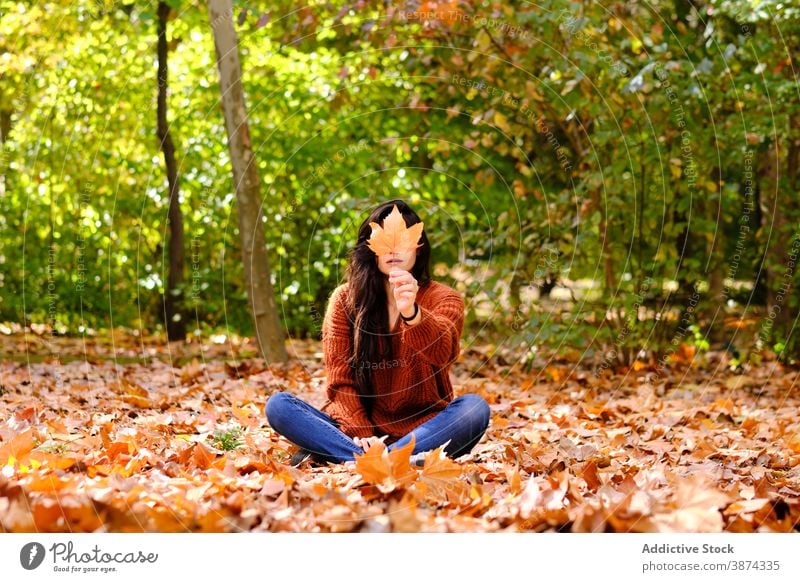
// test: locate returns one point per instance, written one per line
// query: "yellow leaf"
(501, 121)
(19, 446)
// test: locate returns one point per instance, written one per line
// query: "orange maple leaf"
(394, 236)
(387, 470)
(440, 478)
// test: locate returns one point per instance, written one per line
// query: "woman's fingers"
(367, 442)
(402, 279)
(400, 275)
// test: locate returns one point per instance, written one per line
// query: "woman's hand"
(367, 442)
(404, 290)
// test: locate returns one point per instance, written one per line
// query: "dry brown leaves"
(104, 447)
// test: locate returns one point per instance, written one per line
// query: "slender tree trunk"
(686, 244)
(245, 177)
(640, 218)
(683, 242)
(774, 222)
(789, 203)
(173, 312)
(717, 308)
(608, 263)
(5, 129)
(758, 274)
(514, 299)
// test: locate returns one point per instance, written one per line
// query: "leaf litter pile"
(97, 446)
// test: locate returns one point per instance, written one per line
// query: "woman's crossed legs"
(463, 422)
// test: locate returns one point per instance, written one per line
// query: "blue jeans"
(462, 422)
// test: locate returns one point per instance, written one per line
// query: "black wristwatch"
(416, 310)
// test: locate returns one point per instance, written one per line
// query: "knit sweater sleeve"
(437, 336)
(336, 346)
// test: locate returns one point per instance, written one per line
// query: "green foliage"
(575, 146)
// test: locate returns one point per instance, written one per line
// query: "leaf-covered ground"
(93, 445)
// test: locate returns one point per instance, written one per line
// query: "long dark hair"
(367, 307)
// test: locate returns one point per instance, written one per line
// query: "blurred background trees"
(615, 180)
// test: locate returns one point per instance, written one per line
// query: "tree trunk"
(774, 223)
(777, 210)
(5, 129)
(609, 279)
(716, 308)
(245, 178)
(173, 303)
(789, 315)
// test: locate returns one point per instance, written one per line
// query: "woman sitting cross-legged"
(389, 336)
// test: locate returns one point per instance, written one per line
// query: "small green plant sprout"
(229, 439)
(53, 448)
(699, 339)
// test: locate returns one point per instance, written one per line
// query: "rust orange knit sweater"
(410, 388)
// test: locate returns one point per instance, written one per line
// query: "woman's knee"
(277, 409)
(476, 408)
